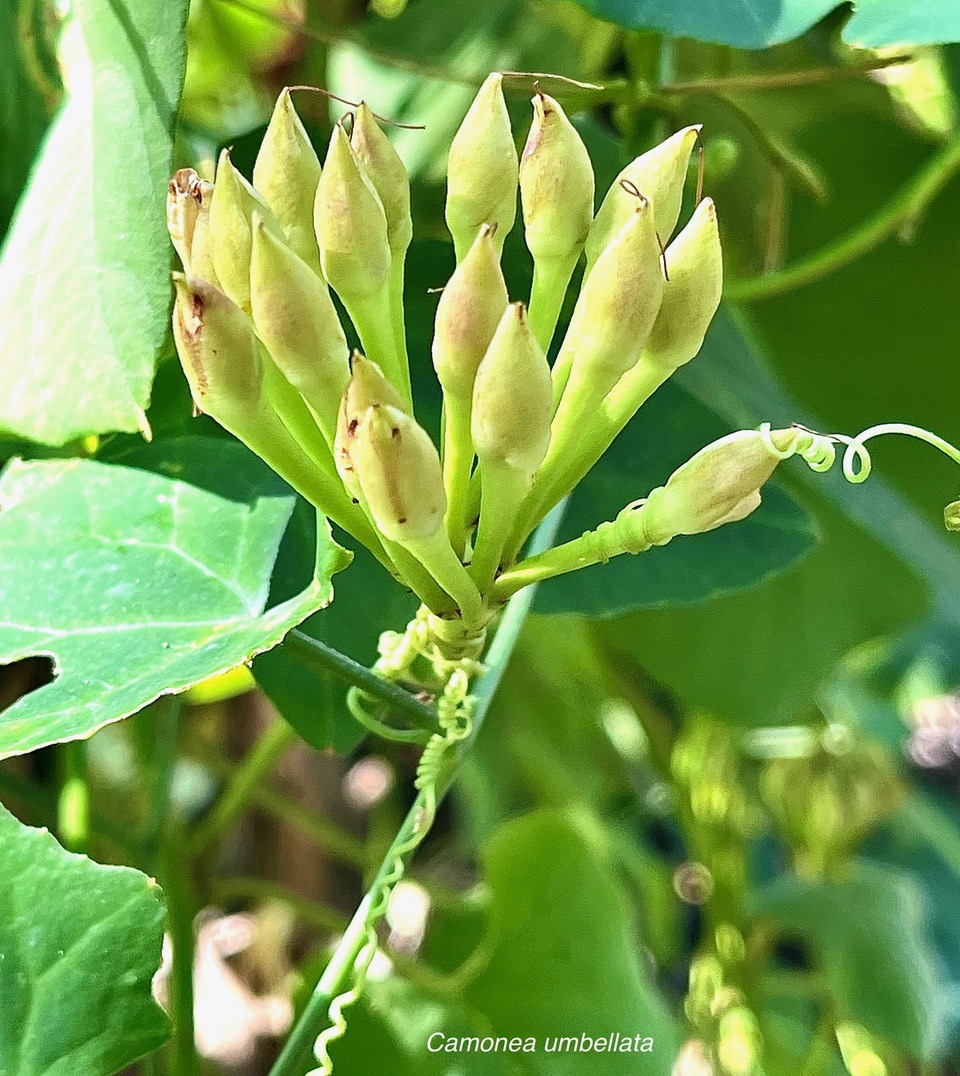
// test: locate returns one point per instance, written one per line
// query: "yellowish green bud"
(232, 207)
(295, 318)
(482, 170)
(388, 175)
(399, 472)
(286, 174)
(512, 398)
(617, 308)
(692, 294)
(468, 314)
(366, 388)
(556, 184)
(350, 224)
(218, 350)
(188, 222)
(720, 484)
(951, 516)
(658, 175)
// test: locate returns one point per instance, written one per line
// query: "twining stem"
(324, 659)
(176, 879)
(73, 803)
(340, 968)
(159, 764)
(255, 767)
(902, 209)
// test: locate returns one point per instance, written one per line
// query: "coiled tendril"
(820, 450)
(455, 724)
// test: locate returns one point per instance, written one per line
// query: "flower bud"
(387, 173)
(188, 222)
(295, 318)
(512, 398)
(720, 484)
(692, 292)
(232, 206)
(617, 307)
(366, 388)
(399, 472)
(556, 184)
(951, 516)
(468, 314)
(350, 224)
(218, 350)
(286, 174)
(482, 170)
(658, 175)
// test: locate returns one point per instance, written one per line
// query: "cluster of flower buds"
(266, 356)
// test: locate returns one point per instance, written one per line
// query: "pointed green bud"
(468, 314)
(658, 175)
(188, 222)
(720, 484)
(286, 174)
(295, 318)
(482, 170)
(617, 307)
(556, 184)
(232, 207)
(399, 472)
(218, 351)
(951, 516)
(350, 224)
(388, 175)
(512, 398)
(366, 388)
(691, 296)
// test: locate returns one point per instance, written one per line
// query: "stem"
(903, 208)
(550, 281)
(373, 317)
(324, 659)
(457, 464)
(397, 321)
(437, 556)
(73, 803)
(340, 967)
(857, 454)
(254, 768)
(227, 890)
(181, 909)
(502, 493)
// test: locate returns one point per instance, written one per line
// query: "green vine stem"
(319, 657)
(354, 951)
(176, 879)
(904, 208)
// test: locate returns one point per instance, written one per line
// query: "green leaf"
(563, 959)
(746, 24)
(84, 293)
(140, 584)
(879, 23)
(23, 116)
(79, 945)
(666, 432)
(874, 920)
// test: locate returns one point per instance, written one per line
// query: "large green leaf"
(870, 934)
(139, 584)
(747, 24)
(563, 960)
(666, 432)
(84, 293)
(79, 945)
(878, 23)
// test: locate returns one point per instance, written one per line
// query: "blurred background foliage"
(717, 798)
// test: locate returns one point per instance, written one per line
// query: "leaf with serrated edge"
(79, 946)
(138, 584)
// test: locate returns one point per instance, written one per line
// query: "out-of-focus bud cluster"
(261, 341)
